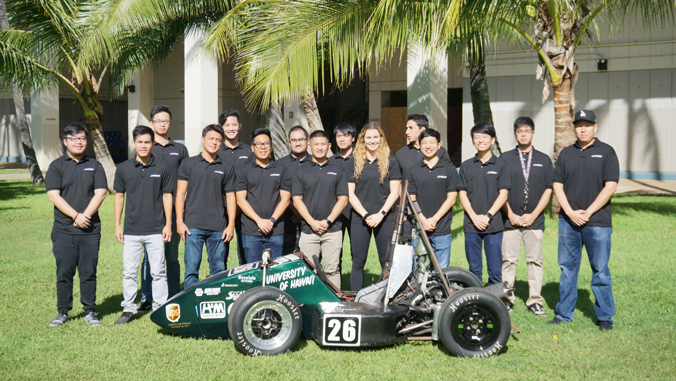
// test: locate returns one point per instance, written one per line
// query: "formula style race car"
(265, 306)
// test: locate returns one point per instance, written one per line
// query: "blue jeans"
(173, 267)
(596, 240)
(441, 244)
(217, 254)
(255, 245)
(492, 243)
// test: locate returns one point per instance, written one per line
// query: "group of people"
(309, 201)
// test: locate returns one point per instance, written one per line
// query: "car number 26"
(342, 330)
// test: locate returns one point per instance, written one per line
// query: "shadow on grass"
(550, 292)
(13, 189)
(110, 306)
(629, 208)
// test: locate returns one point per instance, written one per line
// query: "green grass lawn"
(641, 346)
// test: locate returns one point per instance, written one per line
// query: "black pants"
(240, 241)
(291, 237)
(346, 228)
(75, 252)
(360, 240)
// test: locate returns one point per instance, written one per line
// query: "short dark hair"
(419, 119)
(345, 129)
(524, 121)
(260, 131)
(296, 128)
(143, 130)
(225, 114)
(213, 127)
(74, 129)
(158, 109)
(319, 134)
(426, 133)
(482, 128)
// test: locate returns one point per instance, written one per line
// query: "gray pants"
(132, 253)
(511, 247)
(327, 246)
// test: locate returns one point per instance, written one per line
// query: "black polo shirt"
(144, 186)
(539, 180)
(431, 186)
(320, 186)
(368, 189)
(344, 162)
(584, 173)
(76, 180)
(482, 182)
(172, 154)
(207, 184)
(262, 186)
(236, 157)
(291, 164)
(408, 156)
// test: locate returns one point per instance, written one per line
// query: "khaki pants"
(511, 247)
(327, 246)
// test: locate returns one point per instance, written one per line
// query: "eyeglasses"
(294, 141)
(524, 131)
(76, 140)
(261, 144)
(164, 121)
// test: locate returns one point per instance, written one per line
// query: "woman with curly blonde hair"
(373, 186)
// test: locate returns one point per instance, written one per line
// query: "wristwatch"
(384, 213)
(329, 222)
(273, 219)
(490, 216)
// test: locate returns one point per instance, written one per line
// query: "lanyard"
(525, 168)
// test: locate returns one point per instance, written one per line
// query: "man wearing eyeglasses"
(298, 142)
(172, 154)
(201, 216)
(263, 194)
(531, 174)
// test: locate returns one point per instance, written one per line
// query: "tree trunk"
(26, 140)
(312, 112)
(481, 103)
(101, 148)
(275, 123)
(563, 122)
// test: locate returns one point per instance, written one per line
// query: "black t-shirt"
(207, 185)
(483, 182)
(539, 180)
(76, 181)
(368, 189)
(408, 156)
(584, 173)
(320, 186)
(431, 186)
(172, 154)
(236, 157)
(262, 186)
(344, 162)
(291, 164)
(144, 186)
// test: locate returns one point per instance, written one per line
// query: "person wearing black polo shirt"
(147, 184)
(345, 134)
(237, 154)
(484, 184)
(172, 154)
(433, 183)
(201, 216)
(530, 174)
(76, 185)
(320, 194)
(410, 154)
(373, 183)
(585, 178)
(263, 194)
(298, 141)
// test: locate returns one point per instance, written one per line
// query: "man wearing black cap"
(530, 173)
(585, 178)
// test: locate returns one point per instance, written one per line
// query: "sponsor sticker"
(233, 295)
(212, 310)
(212, 291)
(199, 292)
(247, 278)
(173, 311)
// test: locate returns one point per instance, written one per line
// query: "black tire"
(474, 323)
(265, 321)
(460, 278)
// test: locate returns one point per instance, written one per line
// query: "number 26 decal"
(342, 330)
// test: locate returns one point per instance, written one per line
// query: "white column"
(45, 128)
(427, 80)
(294, 115)
(140, 102)
(201, 91)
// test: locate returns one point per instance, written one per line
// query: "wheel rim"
(475, 327)
(267, 325)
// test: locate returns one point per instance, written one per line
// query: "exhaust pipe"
(499, 290)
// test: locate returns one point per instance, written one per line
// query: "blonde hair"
(382, 154)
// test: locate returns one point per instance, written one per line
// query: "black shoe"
(125, 318)
(537, 310)
(555, 321)
(605, 326)
(59, 320)
(145, 306)
(92, 319)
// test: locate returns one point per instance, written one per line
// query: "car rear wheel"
(474, 323)
(460, 278)
(265, 321)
